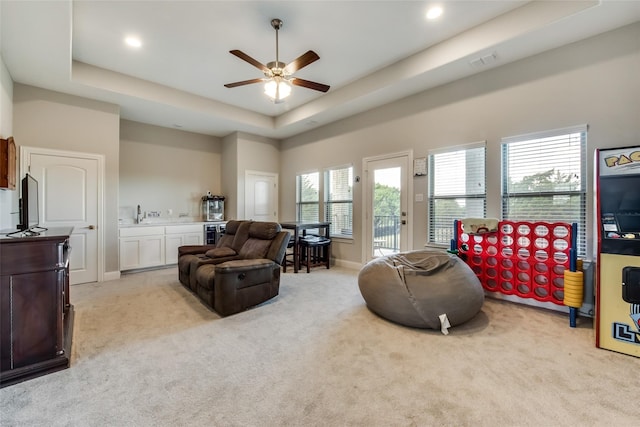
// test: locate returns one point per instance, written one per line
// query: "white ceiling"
(371, 52)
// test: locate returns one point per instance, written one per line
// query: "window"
(338, 189)
(308, 197)
(544, 178)
(456, 189)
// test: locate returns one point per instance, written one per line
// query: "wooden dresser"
(36, 318)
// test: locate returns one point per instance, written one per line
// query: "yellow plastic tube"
(573, 288)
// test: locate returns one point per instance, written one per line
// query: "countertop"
(166, 222)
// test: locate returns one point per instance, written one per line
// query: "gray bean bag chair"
(416, 288)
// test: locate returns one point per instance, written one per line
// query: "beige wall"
(8, 198)
(245, 152)
(165, 169)
(46, 119)
(230, 174)
(255, 153)
(593, 81)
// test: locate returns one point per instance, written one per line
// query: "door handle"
(91, 227)
(403, 222)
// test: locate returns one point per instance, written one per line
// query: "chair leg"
(328, 256)
(315, 256)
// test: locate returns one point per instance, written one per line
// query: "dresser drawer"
(36, 256)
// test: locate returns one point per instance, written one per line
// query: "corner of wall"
(8, 198)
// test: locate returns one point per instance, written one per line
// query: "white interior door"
(387, 211)
(261, 196)
(68, 187)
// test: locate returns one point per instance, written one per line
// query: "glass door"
(387, 214)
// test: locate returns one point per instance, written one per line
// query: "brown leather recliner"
(248, 278)
(226, 249)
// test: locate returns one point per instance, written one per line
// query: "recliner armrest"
(243, 265)
(194, 249)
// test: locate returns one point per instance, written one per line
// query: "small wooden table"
(302, 226)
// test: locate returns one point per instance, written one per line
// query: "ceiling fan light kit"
(278, 75)
(277, 89)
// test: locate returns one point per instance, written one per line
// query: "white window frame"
(337, 228)
(299, 203)
(544, 142)
(446, 232)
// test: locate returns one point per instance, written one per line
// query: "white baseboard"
(586, 309)
(347, 264)
(110, 275)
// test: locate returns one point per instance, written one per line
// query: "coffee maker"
(212, 208)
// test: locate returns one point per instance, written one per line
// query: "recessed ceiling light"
(133, 41)
(434, 12)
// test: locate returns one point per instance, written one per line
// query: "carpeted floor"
(146, 352)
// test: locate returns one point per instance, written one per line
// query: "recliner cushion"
(205, 276)
(184, 262)
(220, 252)
(226, 240)
(255, 248)
(232, 226)
(264, 230)
(241, 235)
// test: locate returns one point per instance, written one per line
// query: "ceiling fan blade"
(301, 61)
(309, 85)
(244, 82)
(249, 59)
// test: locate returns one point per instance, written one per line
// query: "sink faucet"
(139, 216)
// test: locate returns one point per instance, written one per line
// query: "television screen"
(628, 223)
(29, 210)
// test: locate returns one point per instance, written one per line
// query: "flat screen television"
(29, 209)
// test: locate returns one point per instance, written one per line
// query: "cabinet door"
(151, 251)
(140, 252)
(35, 318)
(172, 242)
(5, 323)
(192, 239)
(129, 253)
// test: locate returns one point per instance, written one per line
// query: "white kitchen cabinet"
(179, 235)
(153, 246)
(141, 247)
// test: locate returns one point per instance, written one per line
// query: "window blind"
(339, 200)
(308, 197)
(457, 189)
(544, 178)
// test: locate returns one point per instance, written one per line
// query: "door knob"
(91, 227)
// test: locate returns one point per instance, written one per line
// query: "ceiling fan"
(278, 76)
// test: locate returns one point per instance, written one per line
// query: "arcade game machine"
(617, 205)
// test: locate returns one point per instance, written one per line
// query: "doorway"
(386, 205)
(70, 195)
(261, 196)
